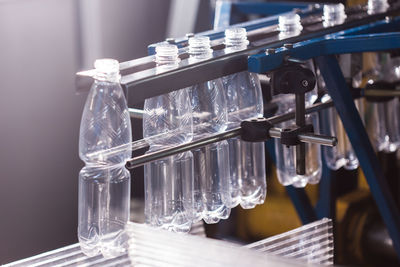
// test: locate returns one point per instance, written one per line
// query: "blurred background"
(43, 44)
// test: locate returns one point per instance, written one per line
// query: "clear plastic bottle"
(244, 100)
(382, 117)
(211, 163)
(343, 154)
(290, 25)
(169, 181)
(286, 156)
(104, 182)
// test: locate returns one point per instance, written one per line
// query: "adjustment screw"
(304, 83)
(388, 18)
(296, 10)
(170, 40)
(270, 51)
(288, 46)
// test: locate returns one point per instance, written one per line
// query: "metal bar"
(382, 93)
(269, 8)
(136, 113)
(262, 63)
(274, 132)
(308, 138)
(341, 96)
(300, 149)
(149, 83)
(326, 204)
(143, 159)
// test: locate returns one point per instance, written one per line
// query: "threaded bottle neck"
(167, 55)
(200, 47)
(377, 6)
(107, 69)
(236, 38)
(334, 14)
(290, 24)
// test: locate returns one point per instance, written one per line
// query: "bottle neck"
(167, 56)
(377, 6)
(334, 14)
(107, 77)
(200, 47)
(107, 70)
(290, 25)
(236, 39)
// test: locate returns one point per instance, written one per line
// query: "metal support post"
(348, 113)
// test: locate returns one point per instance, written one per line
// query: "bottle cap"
(107, 65)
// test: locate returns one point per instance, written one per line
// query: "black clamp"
(379, 85)
(290, 136)
(292, 79)
(255, 130)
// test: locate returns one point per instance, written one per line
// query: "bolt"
(170, 40)
(388, 18)
(304, 83)
(296, 10)
(270, 51)
(288, 46)
(189, 35)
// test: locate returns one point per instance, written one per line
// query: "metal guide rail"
(142, 80)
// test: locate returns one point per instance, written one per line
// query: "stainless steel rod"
(143, 159)
(382, 93)
(308, 138)
(274, 132)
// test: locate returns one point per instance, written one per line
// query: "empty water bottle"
(286, 156)
(169, 181)
(244, 100)
(341, 155)
(211, 163)
(104, 182)
(384, 119)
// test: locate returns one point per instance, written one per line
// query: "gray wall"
(40, 112)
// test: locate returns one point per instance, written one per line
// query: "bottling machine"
(325, 33)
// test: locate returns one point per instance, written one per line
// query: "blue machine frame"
(379, 36)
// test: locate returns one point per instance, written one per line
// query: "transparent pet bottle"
(244, 101)
(211, 163)
(286, 156)
(385, 119)
(104, 182)
(342, 155)
(169, 181)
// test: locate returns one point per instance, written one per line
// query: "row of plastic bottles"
(206, 182)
